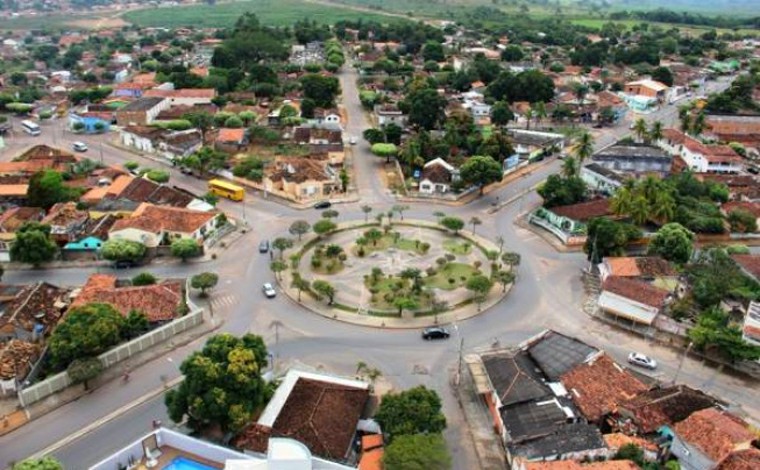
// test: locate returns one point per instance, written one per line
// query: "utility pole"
(101, 153)
(680, 363)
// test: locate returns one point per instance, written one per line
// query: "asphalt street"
(548, 294)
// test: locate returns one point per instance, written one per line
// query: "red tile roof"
(750, 263)
(584, 210)
(231, 135)
(617, 440)
(181, 93)
(664, 406)
(751, 207)
(159, 302)
(748, 459)
(17, 357)
(156, 219)
(716, 433)
(636, 290)
(599, 385)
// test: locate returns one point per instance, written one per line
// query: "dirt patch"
(99, 23)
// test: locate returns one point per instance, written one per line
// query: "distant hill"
(711, 7)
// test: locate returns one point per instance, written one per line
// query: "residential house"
(141, 112)
(748, 459)
(573, 465)
(752, 208)
(318, 410)
(607, 99)
(649, 268)
(232, 140)
(617, 440)
(568, 223)
(93, 122)
(330, 117)
(129, 90)
(601, 179)
(751, 326)
(372, 452)
(634, 159)
(91, 239)
(632, 299)
(735, 128)
(708, 436)
(10, 221)
(156, 225)
(159, 302)
(649, 411)
(647, 88)
(13, 194)
(322, 141)
(66, 222)
(534, 145)
(33, 312)
(302, 178)
(599, 385)
(184, 96)
(740, 187)
(437, 177)
(699, 157)
(387, 114)
(16, 360)
(180, 144)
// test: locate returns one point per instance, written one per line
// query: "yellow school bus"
(225, 189)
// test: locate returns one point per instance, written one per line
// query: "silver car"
(269, 291)
(638, 359)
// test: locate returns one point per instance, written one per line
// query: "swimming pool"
(182, 463)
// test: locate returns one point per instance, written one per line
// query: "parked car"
(352, 140)
(641, 360)
(435, 333)
(323, 205)
(264, 246)
(269, 291)
(79, 146)
(124, 264)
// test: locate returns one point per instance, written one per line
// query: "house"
(748, 459)
(387, 114)
(740, 187)
(599, 385)
(93, 122)
(329, 117)
(634, 159)
(302, 178)
(647, 88)
(232, 140)
(318, 410)
(437, 176)
(93, 235)
(649, 411)
(607, 99)
(180, 144)
(735, 128)
(184, 96)
(708, 436)
(532, 145)
(10, 221)
(746, 206)
(751, 326)
(568, 223)
(129, 90)
(159, 302)
(573, 465)
(141, 112)
(66, 222)
(601, 179)
(16, 360)
(33, 312)
(156, 225)
(617, 440)
(648, 268)
(372, 452)
(632, 299)
(699, 157)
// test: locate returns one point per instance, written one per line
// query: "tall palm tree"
(528, 117)
(569, 167)
(685, 117)
(540, 111)
(649, 187)
(655, 133)
(664, 207)
(640, 129)
(584, 148)
(621, 201)
(639, 209)
(699, 124)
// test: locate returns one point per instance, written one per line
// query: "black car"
(323, 205)
(435, 333)
(124, 264)
(264, 246)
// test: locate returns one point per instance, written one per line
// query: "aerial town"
(379, 235)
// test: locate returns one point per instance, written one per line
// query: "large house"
(699, 157)
(708, 436)
(632, 299)
(141, 112)
(156, 225)
(634, 159)
(302, 178)
(32, 312)
(184, 96)
(437, 176)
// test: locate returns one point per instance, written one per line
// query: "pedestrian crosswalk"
(223, 302)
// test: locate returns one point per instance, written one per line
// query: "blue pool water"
(181, 463)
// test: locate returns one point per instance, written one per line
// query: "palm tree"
(569, 167)
(585, 147)
(655, 133)
(699, 124)
(580, 91)
(664, 207)
(528, 117)
(540, 112)
(621, 201)
(639, 209)
(685, 118)
(640, 129)
(649, 187)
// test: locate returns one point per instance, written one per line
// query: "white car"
(79, 146)
(352, 140)
(269, 291)
(641, 360)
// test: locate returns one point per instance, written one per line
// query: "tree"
(281, 244)
(344, 179)
(83, 370)
(454, 224)
(663, 75)
(223, 384)
(300, 284)
(33, 244)
(501, 114)
(202, 121)
(640, 129)
(504, 278)
(405, 303)
(511, 259)
(299, 228)
(384, 150)
(135, 324)
(413, 411)
(433, 51)
(714, 333)
(373, 236)
(674, 242)
(608, 238)
(158, 176)
(570, 167)
(330, 214)
(426, 108)
(278, 266)
(512, 53)
(204, 282)
(584, 147)
(323, 226)
(44, 463)
(480, 286)
(205, 159)
(185, 248)
(475, 221)
(85, 331)
(742, 221)
(481, 171)
(324, 289)
(122, 250)
(655, 132)
(558, 191)
(46, 189)
(144, 279)
(366, 210)
(417, 452)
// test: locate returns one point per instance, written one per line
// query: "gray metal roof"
(566, 439)
(556, 354)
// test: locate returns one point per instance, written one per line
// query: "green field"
(270, 12)
(597, 23)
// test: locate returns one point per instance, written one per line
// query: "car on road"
(435, 333)
(352, 140)
(323, 205)
(185, 170)
(264, 246)
(638, 359)
(124, 264)
(79, 146)
(269, 291)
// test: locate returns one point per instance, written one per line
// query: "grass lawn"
(385, 286)
(327, 265)
(456, 247)
(597, 23)
(269, 12)
(387, 241)
(454, 271)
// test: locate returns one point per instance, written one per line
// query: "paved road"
(549, 295)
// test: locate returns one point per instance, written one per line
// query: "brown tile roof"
(159, 218)
(436, 173)
(299, 170)
(750, 263)
(39, 303)
(584, 210)
(617, 440)
(716, 433)
(636, 290)
(159, 302)
(664, 406)
(623, 266)
(14, 190)
(16, 358)
(599, 385)
(45, 152)
(751, 207)
(12, 219)
(64, 214)
(612, 465)
(181, 93)
(573, 465)
(319, 414)
(231, 135)
(748, 459)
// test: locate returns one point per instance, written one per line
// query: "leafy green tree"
(714, 334)
(454, 224)
(426, 108)
(479, 285)
(123, 250)
(83, 370)
(674, 242)
(44, 463)
(511, 259)
(135, 324)
(203, 121)
(475, 221)
(608, 238)
(322, 90)
(384, 150)
(205, 159)
(33, 244)
(742, 221)
(366, 210)
(158, 176)
(281, 244)
(144, 279)
(640, 129)
(324, 289)
(433, 51)
(46, 189)
(185, 248)
(278, 266)
(86, 331)
(204, 282)
(299, 228)
(630, 452)
(223, 384)
(405, 303)
(373, 236)
(413, 411)
(481, 171)
(323, 226)
(558, 191)
(504, 278)
(417, 452)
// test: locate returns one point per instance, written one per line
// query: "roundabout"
(405, 274)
